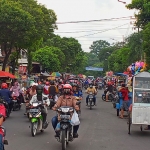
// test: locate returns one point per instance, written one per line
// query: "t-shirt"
(124, 94)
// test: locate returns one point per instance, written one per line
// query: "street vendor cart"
(139, 114)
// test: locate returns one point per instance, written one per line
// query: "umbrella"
(56, 74)
(6, 74)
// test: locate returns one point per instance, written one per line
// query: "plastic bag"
(75, 119)
(56, 98)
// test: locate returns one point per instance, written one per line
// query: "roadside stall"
(139, 113)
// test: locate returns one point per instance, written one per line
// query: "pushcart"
(140, 112)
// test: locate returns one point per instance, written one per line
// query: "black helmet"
(39, 91)
(52, 82)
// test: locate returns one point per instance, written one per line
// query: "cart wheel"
(129, 123)
(141, 128)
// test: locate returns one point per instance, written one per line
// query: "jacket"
(66, 101)
(93, 90)
(34, 99)
(6, 95)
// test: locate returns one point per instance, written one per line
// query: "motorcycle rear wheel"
(103, 98)
(33, 128)
(90, 105)
(63, 140)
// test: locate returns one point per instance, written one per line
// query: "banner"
(94, 68)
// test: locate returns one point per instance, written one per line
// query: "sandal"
(121, 117)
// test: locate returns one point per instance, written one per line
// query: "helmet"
(39, 91)
(34, 84)
(52, 82)
(4, 86)
(67, 86)
(67, 89)
(47, 83)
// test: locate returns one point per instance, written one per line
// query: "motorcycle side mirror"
(78, 103)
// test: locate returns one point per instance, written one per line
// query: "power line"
(102, 31)
(87, 31)
(129, 17)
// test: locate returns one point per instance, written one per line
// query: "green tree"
(118, 60)
(97, 46)
(143, 17)
(47, 58)
(14, 26)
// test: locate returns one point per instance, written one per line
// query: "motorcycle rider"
(39, 97)
(109, 90)
(6, 95)
(53, 90)
(46, 88)
(92, 89)
(65, 100)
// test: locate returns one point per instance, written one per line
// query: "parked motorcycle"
(16, 103)
(5, 142)
(36, 118)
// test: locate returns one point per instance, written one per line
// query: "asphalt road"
(100, 129)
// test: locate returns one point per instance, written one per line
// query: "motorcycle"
(52, 101)
(85, 86)
(16, 103)
(36, 118)
(66, 129)
(5, 142)
(100, 85)
(90, 100)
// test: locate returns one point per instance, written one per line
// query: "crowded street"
(100, 128)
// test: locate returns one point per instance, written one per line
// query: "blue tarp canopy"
(120, 74)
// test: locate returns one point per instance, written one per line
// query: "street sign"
(94, 68)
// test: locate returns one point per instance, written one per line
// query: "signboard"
(94, 68)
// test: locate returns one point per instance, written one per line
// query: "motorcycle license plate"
(90, 96)
(65, 116)
(14, 100)
(34, 110)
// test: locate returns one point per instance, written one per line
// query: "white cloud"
(82, 10)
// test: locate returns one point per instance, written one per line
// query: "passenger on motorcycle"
(65, 100)
(76, 91)
(33, 89)
(109, 90)
(39, 97)
(92, 89)
(17, 92)
(6, 95)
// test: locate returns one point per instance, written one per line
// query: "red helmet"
(67, 86)
(4, 86)
(47, 83)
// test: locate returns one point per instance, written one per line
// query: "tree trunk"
(7, 54)
(29, 55)
(15, 61)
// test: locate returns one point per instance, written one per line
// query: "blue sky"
(82, 10)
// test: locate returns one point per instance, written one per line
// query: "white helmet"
(32, 84)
